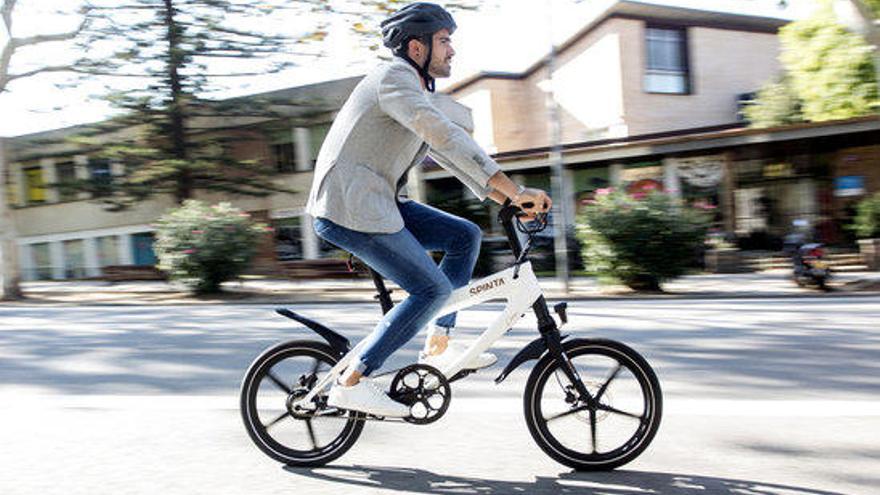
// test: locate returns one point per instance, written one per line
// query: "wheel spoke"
(312, 436)
(277, 381)
(593, 430)
(616, 390)
(618, 411)
(611, 378)
(276, 420)
(567, 413)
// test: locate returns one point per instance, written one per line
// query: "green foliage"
(831, 69)
(204, 246)
(867, 221)
(874, 5)
(829, 75)
(776, 105)
(640, 242)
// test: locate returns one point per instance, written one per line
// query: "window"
(101, 177)
(666, 68)
(42, 261)
(34, 185)
(284, 155)
(74, 259)
(108, 250)
(65, 173)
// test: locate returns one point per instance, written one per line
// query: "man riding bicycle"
(386, 127)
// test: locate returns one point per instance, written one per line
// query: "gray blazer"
(388, 125)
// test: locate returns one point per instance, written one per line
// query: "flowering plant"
(204, 246)
(867, 221)
(640, 242)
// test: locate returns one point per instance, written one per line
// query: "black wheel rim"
(295, 435)
(590, 435)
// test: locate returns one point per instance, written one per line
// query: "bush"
(640, 242)
(867, 221)
(204, 246)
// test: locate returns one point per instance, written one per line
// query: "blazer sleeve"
(403, 99)
(481, 191)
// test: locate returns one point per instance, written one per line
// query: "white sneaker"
(454, 351)
(366, 397)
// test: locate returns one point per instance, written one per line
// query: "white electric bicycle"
(590, 404)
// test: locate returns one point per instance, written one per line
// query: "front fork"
(553, 342)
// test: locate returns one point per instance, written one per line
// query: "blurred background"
(760, 113)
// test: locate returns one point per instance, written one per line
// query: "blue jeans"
(402, 258)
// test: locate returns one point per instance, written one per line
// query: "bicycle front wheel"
(297, 436)
(614, 428)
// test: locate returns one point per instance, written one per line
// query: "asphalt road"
(761, 396)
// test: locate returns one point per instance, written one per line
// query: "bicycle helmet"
(418, 21)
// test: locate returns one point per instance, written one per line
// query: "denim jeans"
(402, 258)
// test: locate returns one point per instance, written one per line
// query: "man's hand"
(537, 200)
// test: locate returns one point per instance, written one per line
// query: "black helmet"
(420, 21)
(416, 20)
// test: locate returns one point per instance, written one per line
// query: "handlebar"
(509, 217)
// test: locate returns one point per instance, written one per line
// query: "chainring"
(425, 390)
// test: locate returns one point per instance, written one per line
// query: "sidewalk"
(770, 284)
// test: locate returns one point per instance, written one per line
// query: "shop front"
(770, 194)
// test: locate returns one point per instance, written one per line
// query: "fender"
(534, 350)
(340, 344)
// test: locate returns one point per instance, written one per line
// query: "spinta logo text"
(498, 282)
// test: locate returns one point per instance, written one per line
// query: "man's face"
(441, 59)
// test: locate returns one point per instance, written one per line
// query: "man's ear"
(411, 48)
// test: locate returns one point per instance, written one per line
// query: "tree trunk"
(178, 120)
(9, 270)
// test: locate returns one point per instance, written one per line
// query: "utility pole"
(558, 185)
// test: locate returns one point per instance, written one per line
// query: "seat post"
(384, 295)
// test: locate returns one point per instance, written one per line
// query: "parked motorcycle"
(810, 267)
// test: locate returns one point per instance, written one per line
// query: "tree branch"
(54, 68)
(6, 10)
(44, 38)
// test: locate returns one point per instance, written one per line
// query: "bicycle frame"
(518, 285)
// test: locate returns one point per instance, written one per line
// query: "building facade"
(636, 69)
(65, 235)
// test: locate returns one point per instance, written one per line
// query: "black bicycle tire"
(567, 457)
(268, 446)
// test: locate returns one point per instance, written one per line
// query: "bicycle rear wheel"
(619, 425)
(311, 436)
